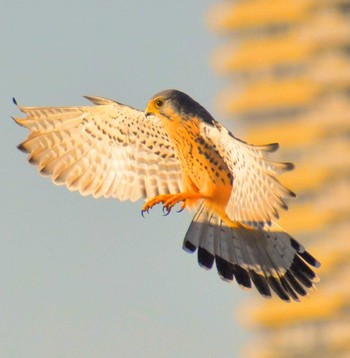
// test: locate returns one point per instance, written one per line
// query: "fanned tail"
(271, 260)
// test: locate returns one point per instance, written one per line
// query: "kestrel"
(176, 152)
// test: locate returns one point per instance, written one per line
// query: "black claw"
(166, 210)
(182, 209)
(144, 211)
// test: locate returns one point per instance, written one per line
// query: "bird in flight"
(176, 152)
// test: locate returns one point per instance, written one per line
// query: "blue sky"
(83, 277)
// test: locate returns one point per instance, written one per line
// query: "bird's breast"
(202, 165)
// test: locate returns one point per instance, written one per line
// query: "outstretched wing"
(256, 194)
(109, 150)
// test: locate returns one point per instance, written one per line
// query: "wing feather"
(109, 149)
(256, 194)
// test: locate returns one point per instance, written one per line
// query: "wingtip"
(272, 147)
(22, 148)
(99, 100)
(291, 194)
(289, 166)
(91, 99)
(19, 121)
(14, 101)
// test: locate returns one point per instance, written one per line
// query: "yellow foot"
(169, 201)
(156, 200)
(173, 200)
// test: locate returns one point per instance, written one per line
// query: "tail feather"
(271, 260)
(196, 230)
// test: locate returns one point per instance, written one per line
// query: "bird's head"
(176, 106)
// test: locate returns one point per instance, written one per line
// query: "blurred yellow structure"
(288, 67)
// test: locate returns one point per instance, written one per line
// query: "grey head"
(183, 104)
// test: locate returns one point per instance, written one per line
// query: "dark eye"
(159, 103)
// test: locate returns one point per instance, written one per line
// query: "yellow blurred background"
(287, 65)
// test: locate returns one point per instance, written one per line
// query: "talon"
(166, 212)
(169, 201)
(183, 206)
(167, 209)
(143, 211)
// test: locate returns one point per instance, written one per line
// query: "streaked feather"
(256, 195)
(109, 150)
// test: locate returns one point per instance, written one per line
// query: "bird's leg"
(170, 200)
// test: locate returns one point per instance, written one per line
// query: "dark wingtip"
(89, 98)
(272, 147)
(14, 101)
(291, 194)
(22, 148)
(289, 166)
(283, 205)
(275, 214)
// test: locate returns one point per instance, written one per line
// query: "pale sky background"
(81, 277)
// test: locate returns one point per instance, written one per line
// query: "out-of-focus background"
(85, 277)
(288, 70)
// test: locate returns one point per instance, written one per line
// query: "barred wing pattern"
(109, 150)
(256, 194)
(270, 260)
